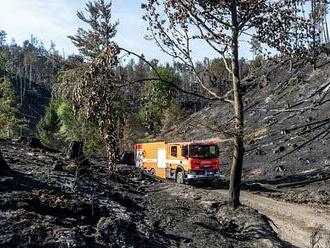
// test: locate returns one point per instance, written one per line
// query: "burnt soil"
(43, 205)
(287, 136)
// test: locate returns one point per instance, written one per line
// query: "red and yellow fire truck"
(183, 161)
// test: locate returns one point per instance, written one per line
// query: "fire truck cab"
(183, 161)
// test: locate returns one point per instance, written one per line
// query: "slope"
(287, 118)
(44, 203)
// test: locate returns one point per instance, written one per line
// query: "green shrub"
(172, 116)
(61, 125)
(9, 120)
(156, 98)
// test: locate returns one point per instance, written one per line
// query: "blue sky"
(54, 20)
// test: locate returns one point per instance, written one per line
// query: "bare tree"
(177, 25)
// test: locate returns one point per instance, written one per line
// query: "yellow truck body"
(192, 160)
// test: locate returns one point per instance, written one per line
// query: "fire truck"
(183, 161)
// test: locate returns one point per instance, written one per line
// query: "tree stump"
(35, 143)
(3, 164)
(127, 158)
(75, 152)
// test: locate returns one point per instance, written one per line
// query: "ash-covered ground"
(44, 206)
(287, 136)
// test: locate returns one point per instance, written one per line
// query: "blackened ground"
(44, 206)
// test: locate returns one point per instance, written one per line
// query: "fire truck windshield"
(203, 151)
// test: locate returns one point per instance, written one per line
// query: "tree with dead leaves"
(98, 86)
(177, 25)
(94, 86)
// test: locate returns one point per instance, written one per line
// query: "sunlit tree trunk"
(238, 151)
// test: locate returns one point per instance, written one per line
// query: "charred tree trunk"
(35, 143)
(238, 153)
(24, 85)
(314, 35)
(21, 89)
(30, 77)
(3, 164)
(76, 153)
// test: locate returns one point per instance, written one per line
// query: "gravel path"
(296, 224)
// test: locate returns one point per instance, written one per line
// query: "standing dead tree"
(93, 86)
(319, 13)
(100, 103)
(177, 26)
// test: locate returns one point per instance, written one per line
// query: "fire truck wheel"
(180, 177)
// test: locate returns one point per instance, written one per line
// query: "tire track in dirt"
(294, 223)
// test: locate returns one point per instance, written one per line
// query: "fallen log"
(321, 88)
(302, 183)
(309, 124)
(293, 110)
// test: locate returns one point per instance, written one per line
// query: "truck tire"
(180, 177)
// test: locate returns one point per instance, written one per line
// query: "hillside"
(44, 204)
(36, 100)
(287, 118)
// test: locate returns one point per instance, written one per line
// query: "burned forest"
(161, 123)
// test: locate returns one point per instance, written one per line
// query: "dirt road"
(294, 223)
